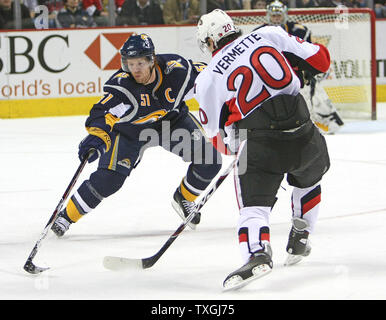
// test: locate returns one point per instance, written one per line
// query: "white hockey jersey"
(251, 70)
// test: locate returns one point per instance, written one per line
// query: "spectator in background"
(7, 20)
(140, 12)
(95, 9)
(73, 16)
(259, 4)
(306, 4)
(336, 3)
(380, 8)
(362, 3)
(31, 4)
(181, 11)
(224, 5)
(118, 5)
(54, 6)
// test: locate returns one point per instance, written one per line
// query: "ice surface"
(38, 158)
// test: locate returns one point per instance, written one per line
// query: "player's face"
(72, 3)
(277, 19)
(141, 69)
(5, 4)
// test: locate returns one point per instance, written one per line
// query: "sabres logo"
(125, 163)
(121, 76)
(152, 117)
(172, 64)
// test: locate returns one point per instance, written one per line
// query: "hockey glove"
(98, 140)
(232, 139)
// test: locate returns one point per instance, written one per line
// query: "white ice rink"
(38, 158)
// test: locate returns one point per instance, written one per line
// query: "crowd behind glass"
(102, 13)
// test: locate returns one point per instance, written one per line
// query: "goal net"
(349, 34)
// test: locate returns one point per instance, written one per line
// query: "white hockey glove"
(232, 139)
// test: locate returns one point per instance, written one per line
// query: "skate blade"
(293, 259)
(236, 282)
(177, 208)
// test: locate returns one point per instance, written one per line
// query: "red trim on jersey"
(236, 190)
(234, 111)
(235, 115)
(219, 144)
(264, 237)
(311, 204)
(243, 237)
(321, 60)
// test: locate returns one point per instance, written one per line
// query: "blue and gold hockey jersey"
(128, 107)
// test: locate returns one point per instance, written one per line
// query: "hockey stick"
(29, 266)
(120, 263)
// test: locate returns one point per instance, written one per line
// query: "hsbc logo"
(23, 53)
(104, 50)
(20, 54)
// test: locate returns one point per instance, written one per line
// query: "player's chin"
(137, 76)
(139, 79)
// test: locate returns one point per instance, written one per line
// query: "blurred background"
(22, 14)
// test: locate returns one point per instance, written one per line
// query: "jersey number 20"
(263, 73)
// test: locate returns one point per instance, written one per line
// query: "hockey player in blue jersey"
(143, 106)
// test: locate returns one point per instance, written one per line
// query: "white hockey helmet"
(277, 8)
(215, 25)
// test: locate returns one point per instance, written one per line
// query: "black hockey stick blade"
(29, 266)
(121, 263)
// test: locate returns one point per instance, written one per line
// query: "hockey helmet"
(137, 46)
(215, 25)
(277, 8)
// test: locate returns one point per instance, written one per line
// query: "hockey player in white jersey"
(249, 96)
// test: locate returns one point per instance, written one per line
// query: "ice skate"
(259, 265)
(62, 224)
(184, 208)
(298, 244)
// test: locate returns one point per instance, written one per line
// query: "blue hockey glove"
(98, 140)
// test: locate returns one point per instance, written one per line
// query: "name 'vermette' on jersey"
(262, 71)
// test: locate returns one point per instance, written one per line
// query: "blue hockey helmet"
(137, 46)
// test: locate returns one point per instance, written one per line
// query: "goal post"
(349, 34)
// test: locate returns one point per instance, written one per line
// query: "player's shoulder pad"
(203, 83)
(172, 62)
(118, 83)
(270, 29)
(259, 27)
(118, 78)
(199, 66)
(297, 26)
